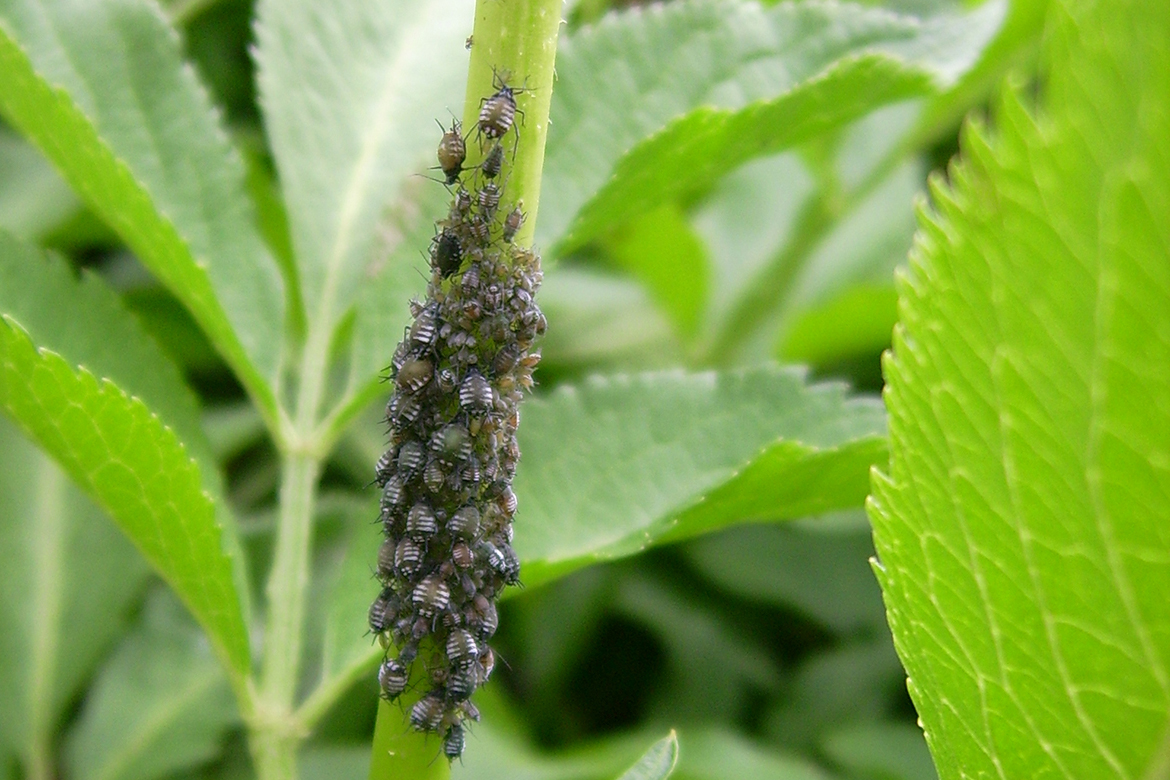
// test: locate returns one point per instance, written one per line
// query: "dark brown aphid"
(446, 253)
(408, 558)
(464, 524)
(414, 375)
(427, 713)
(494, 161)
(384, 611)
(452, 152)
(421, 522)
(512, 223)
(475, 394)
(489, 200)
(411, 459)
(453, 742)
(462, 650)
(392, 678)
(498, 112)
(431, 595)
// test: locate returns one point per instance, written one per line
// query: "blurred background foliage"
(765, 645)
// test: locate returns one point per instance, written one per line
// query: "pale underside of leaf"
(351, 91)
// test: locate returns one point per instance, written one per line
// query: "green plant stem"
(517, 40)
(275, 727)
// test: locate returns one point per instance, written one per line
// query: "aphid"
(480, 230)
(464, 524)
(393, 494)
(425, 329)
(427, 713)
(475, 394)
(414, 375)
(452, 152)
(383, 471)
(461, 205)
(512, 223)
(493, 162)
(386, 559)
(408, 558)
(507, 501)
(470, 280)
(430, 596)
(446, 253)
(489, 200)
(484, 618)
(470, 711)
(402, 411)
(498, 112)
(505, 359)
(421, 522)
(462, 649)
(451, 443)
(392, 678)
(462, 556)
(453, 742)
(384, 611)
(433, 476)
(411, 458)
(460, 684)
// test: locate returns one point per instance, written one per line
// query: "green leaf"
(351, 91)
(100, 335)
(137, 470)
(67, 580)
(615, 465)
(160, 705)
(1023, 526)
(628, 133)
(657, 763)
(103, 91)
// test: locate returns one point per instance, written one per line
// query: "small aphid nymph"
(452, 152)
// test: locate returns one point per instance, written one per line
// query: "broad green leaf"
(656, 763)
(351, 91)
(628, 131)
(1023, 525)
(884, 751)
(160, 705)
(100, 335)
(137, 470)
(67, 580)
(819, 568)
(615, 465)
(102, 90)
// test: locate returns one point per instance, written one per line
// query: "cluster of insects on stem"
(459, 375)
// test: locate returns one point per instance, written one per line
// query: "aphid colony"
(446, 478)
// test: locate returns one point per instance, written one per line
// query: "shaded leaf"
(629, 132)
(67, 580)
(102, 90)
(715, 754)
(33, 198)
(160, 705)
(1023, 526)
